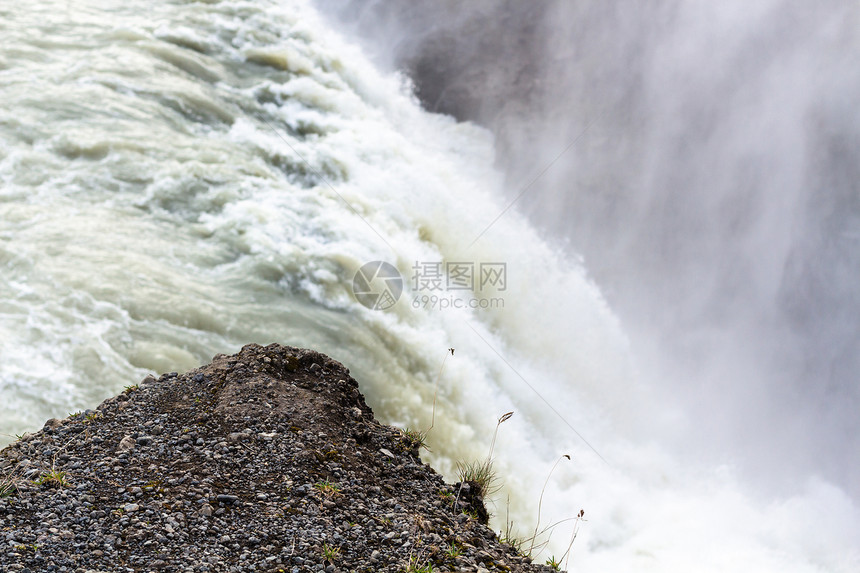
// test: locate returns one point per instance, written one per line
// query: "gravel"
(269, 460)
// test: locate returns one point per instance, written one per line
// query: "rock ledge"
(269, 460)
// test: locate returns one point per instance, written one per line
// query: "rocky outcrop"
(268, 460)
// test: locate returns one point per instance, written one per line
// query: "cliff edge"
(269, 460)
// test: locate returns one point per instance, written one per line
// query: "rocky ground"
(268, 460)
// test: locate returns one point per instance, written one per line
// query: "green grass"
(415, 566)
(414, 439)
(8, 483)
(330, 553)
(327, 488)
(52, 478)
(7, 489)
(448, 498)
(553, 563)
(480, 474)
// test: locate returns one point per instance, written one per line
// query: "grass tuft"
(331, 553)
(415, 566)
(480, 474)
(455, 550)
(327, 488)
(9, 480)
(7, 488)
(52, 478)
(415, 438)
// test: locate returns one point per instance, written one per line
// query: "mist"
(703, 160)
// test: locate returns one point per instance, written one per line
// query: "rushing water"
(181, 178)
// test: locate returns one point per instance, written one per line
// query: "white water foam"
(150, 217)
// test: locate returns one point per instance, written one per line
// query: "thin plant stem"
(502, 418)
(540, 501)
(573, 534)
(436, 390)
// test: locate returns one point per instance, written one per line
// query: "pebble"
(126, 444)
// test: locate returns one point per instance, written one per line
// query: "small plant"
(52, 478)
(480, 474)
(540, 500)
(92, 416)
(508, 536)
(580, 517)
(330, 553)
(436, 390)
(518, 543)
(9, 483)
(415, 438)
(415, 566)
(153, 487)
(418, 438)
(7, 488)
(546, 533)
(75, 415)
(553, 563)
(382, 520)
(454, 551)
(131, 388)
(503, 418)
(327, 488)
(483, 474)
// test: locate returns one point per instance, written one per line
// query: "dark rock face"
(269, 460)
(480, 61)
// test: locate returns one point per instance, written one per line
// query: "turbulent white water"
(179, 179)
